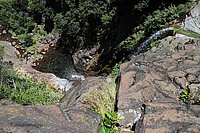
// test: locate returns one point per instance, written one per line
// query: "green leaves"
(109, 122)
(185, 95)
(115, 70)
(35, 94)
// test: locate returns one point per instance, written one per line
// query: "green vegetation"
(84, 23)
(153, 23)
(153, 44)
(190, 96)
(109, 122)
(23, 90)
(102, 100)
(185, 95)
(115, 70)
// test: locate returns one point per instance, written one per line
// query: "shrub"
(23, 90)
(103, 99)
(32, 93)
(109, 122)
(185, 95)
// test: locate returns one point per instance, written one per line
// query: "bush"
(103, 99)
(109, 122)
(32, 93)
(23, 90)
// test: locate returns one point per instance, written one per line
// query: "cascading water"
(60, 64)
(158, 35)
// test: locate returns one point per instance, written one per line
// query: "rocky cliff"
(150, 86)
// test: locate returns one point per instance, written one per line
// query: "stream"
(61, 64)
(55, 62)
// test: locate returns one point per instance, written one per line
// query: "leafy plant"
(102, 100)
(115, 70)
(109, 122)
(34, 94)
(153, 44)
(185, 95)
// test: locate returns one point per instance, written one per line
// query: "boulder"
(85, 60)
(71, 115)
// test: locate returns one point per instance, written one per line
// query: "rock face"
(85, 60)
(192, 21)
(150, 87)
(72, 115)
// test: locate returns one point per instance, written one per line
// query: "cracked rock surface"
(71, 115)
(150, 86)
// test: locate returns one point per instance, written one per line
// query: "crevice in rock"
(117, 82)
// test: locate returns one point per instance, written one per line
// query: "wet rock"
(85, 60)
(60, 84)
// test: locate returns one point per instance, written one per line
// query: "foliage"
(185, 95)
(190, 95)
(153, 44)
(84, 24)
(152, 23)
(115, 70)
(163, 17)
(23, 90)
(141, 5)
(13, 18)
(103, 99)
(31, 40)
(130, 42)
(158, 18)
(32, 93)
(109, 122)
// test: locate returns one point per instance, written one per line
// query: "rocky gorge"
(148, 92)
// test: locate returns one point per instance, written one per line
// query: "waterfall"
(158, 35)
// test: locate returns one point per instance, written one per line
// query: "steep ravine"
(149, 87)
(148, 97)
